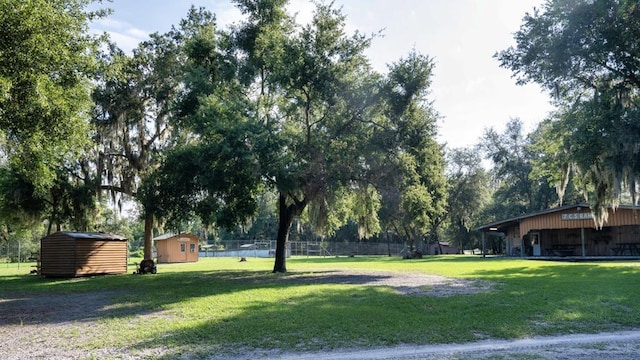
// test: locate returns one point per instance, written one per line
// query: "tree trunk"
(436, 238)
(285, 219)
(409, 238)
(148, 237)
(388, 242)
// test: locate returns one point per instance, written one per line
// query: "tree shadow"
(321, 319)
(531, 300)
(51, 301)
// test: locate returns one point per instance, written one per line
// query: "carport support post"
(484, 247)
(582, 242)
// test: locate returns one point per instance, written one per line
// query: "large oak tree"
(298, 109)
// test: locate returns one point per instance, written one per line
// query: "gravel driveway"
(607, 346)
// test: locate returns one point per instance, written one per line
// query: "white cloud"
(110, 23)
(125, 41)
(225, 14)
(125, 35)
(474, 85)
(136, 33)
(302, 10)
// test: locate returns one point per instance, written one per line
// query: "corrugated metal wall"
(622, 216)
(101, 257)
(66, 256)
(57, 255)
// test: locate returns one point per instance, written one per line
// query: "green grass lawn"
(219, 304)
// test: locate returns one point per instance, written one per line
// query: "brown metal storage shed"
(178, 248)
(71, 254)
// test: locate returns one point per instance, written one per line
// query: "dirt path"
(609, 346)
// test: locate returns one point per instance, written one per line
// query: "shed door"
(183, 251)
(535, 244)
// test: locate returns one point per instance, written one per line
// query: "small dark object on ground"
(416, 254)
(242, 259)
(146, 266)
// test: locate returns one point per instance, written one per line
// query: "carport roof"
(515, 220)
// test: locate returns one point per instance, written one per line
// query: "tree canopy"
(469, 193)
(297, 108)
(46, 62)
(211, 123)
(585, 53)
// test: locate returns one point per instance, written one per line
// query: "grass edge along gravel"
(221, 305)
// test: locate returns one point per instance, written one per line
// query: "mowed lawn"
(222, 305)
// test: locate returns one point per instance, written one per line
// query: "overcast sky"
(470, 91)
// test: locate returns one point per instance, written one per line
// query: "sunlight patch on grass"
(221, 303)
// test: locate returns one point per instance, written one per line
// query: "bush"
(138, 253)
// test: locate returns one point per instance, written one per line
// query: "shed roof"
(171, 235)
(90, 235)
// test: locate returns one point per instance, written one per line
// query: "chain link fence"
(13, 253)
(266, 248)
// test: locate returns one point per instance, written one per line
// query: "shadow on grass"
(214, 312)
(537, 300)
(50, 301)
(325, 317)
